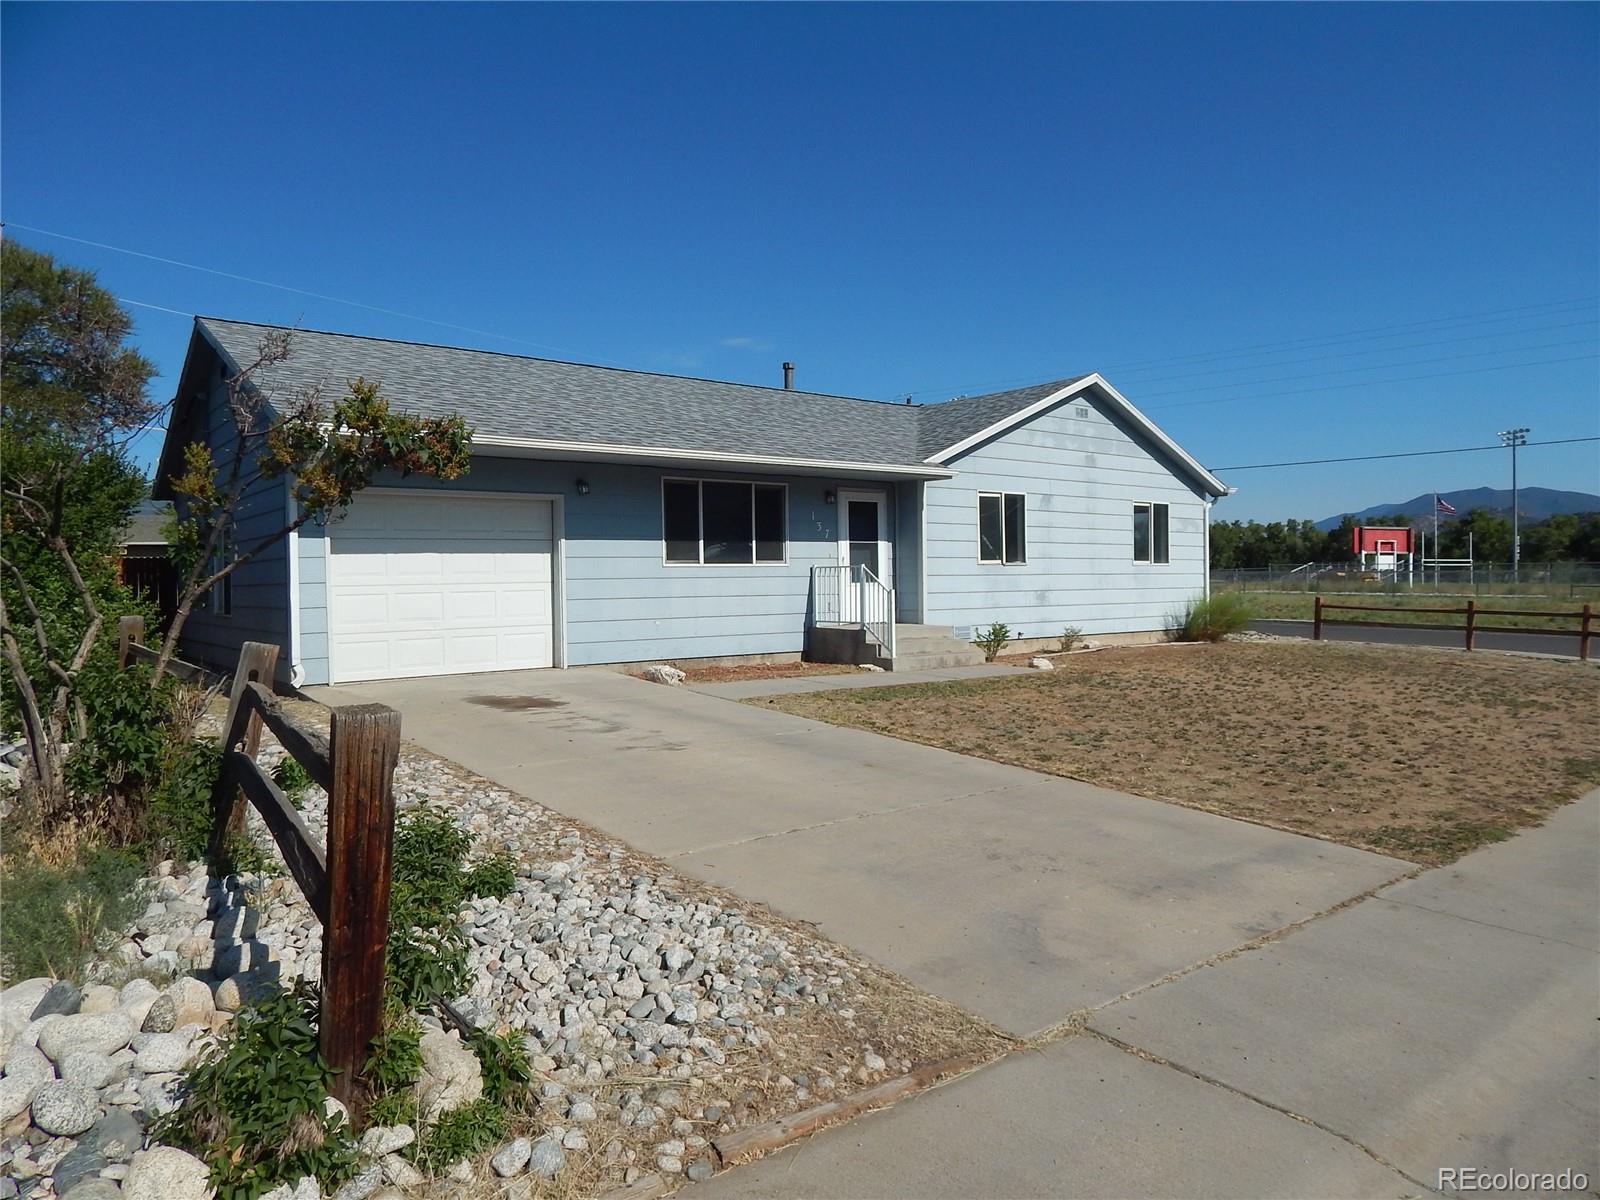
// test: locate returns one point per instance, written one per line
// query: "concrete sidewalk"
(1448, 1021)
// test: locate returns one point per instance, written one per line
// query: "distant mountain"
(1536, 504)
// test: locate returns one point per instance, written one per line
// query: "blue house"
(616, 516)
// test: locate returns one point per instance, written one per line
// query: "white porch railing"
(852, 595)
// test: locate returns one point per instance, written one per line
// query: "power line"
(283, 287)
(1317, 462)
(177, 312)
(1415, 362)
(1334, 387)
(1308, 343)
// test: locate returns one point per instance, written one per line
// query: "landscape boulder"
(105, 1033)
(451, 1075)
(662, 673)
(166, 1173)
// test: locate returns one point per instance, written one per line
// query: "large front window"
(719, 523)
(1002, 527)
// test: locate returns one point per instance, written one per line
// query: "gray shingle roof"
(508, 396)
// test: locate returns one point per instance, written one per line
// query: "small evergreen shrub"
(253, 1110)
(993, 640)
(1210, 618)
(1071, 639)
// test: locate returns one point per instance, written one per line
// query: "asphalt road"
(1532, 643)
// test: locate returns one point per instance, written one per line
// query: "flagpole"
(1436, 539)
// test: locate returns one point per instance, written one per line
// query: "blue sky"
(1402, 202)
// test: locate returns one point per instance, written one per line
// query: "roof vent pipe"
(788, 377)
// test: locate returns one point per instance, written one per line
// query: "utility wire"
(1315, 462)
(1318, 343)
(1334, 387)
(282, 287)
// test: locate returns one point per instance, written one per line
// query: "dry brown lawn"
(1419, 753)
(735, 672)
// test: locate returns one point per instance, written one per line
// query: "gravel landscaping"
(659, 1013)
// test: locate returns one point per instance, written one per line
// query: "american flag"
(1444, 506)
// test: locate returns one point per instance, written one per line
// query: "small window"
(1002, 527)
(722, 523)
(1150, 539)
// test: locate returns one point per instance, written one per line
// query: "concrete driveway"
(1021, 897)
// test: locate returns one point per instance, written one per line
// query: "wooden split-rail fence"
(347, 881)
(1584, 618)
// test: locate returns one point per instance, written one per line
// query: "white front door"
(433, 583)
(864, 541)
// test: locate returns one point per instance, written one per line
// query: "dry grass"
(1420, 753)
(1533, 612)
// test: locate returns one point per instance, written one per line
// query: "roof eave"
(679, 456)
(1187, 462)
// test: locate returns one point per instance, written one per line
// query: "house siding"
(261, 586)
(622, 602)
(908, 551)
(1082, 476)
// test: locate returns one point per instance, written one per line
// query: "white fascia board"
(1145, 425)
(649, 454)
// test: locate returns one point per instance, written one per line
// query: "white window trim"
(1001, 561)
(700, 481)
(1152, 505)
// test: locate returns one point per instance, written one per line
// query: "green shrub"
(128, 729)
(55, 917)
(394, 1061)
(428, 883)
(425, 963)
(463, 1132)
(179, 810)
(507, 1072)
(293, 780)
(993, 640)
(1210, 618)
(253, 1110)
(493, 877)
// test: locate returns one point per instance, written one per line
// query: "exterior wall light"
(583, 487)
(829, 497)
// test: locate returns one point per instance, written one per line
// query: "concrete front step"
(936, 661)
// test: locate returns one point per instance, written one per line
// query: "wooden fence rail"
(1470, 631)
(346, 884)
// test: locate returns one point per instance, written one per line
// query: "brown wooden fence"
(346, 883)
(1584, 618)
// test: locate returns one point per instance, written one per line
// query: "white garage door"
(422, 584)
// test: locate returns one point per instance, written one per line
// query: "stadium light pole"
(1514, 438)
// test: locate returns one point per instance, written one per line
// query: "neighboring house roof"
(146, 526)
(534, 405)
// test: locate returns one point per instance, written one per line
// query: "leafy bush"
(394, 1060)
(293, 780)
(428, 882)
(1071, 639)
(127, 730)
(1210, 618)
(507, 1072)
(495, 876)
(253, 1109)
(460, 1133)
(56, 916)
(993, 640)
(179, 811)
(425, 963)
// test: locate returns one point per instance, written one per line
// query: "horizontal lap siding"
(1081, 476)
(622, 602)
(260, 586)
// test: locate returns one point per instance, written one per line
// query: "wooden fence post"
(129, 630)
(241, 729)
(1587, 633)
(364, 745)
(1316, 620)
(1472, 623)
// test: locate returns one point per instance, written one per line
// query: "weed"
(993, 640)
(1210, 618)
(293, 780)
(506, 1069)
(56, 916)
(463, 1132)
(254, 1109)
(1071, 639)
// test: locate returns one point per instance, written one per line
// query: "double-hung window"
(1002, 527)
(1150, 541)
(720, 523)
